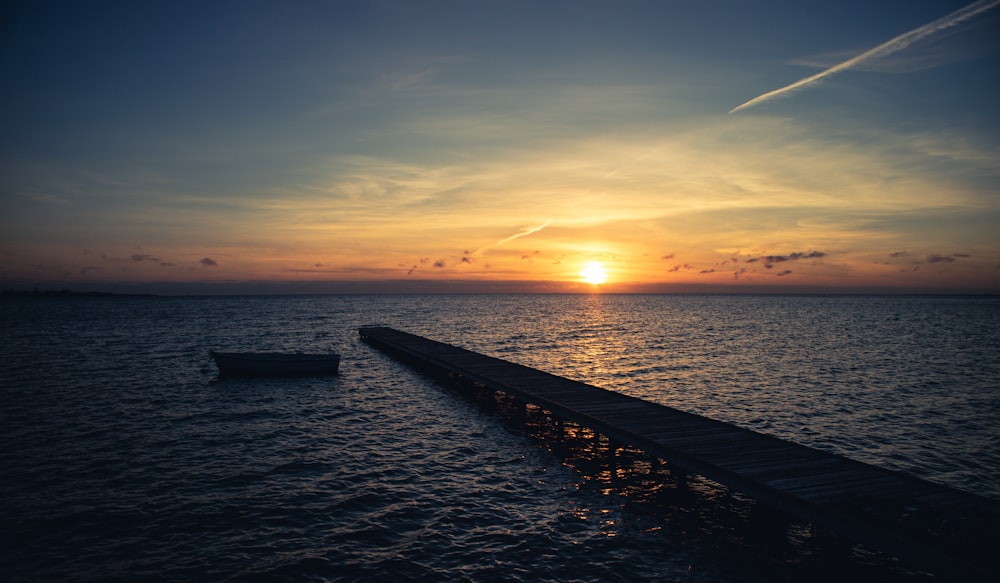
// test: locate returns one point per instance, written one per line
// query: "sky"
(651, 146)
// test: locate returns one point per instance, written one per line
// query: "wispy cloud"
(468, 257)
(523, 233)
(887, 48)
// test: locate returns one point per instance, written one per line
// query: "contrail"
(887, 48)
(530, 230)
(524, 233)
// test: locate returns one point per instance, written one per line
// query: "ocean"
(124, 457)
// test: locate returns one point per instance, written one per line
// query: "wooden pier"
(949, 532)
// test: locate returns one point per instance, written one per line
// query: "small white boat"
(275, 363)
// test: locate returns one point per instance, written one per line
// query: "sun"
(594, 273)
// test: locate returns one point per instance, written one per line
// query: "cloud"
(887, 48)
(524, 233)
(469, 257)
(141, 257)
(208, 262)
(951, 258)
(771, 260)
(783, 273)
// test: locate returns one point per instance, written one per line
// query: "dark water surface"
(124, 457)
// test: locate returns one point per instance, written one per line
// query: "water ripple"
(125, 458)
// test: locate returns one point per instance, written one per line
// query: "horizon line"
(474, 287)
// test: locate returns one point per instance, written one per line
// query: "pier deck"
(950, 532)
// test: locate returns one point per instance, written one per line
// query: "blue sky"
(400, 142)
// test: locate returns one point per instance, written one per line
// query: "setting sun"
(594, 273)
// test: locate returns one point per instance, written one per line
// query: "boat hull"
(257, 364)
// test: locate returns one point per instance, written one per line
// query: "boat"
(245, 364)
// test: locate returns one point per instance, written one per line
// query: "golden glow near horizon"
(594, 273)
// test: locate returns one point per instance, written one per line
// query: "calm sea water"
(124, 457)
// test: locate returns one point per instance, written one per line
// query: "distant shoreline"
(57, 289)
(65, 293)
(184, 293)
(258, 289)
